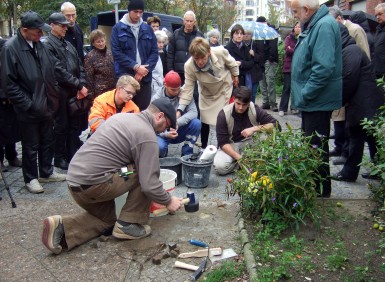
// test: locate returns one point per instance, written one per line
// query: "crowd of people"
(171, 87)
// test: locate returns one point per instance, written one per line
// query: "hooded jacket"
(124, 48)
(360, 94)
(316, 69)
(379, 51)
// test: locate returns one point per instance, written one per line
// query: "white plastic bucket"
(168, 178)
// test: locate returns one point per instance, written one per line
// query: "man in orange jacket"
(115, 101)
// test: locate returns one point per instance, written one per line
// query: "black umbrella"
(372, 21)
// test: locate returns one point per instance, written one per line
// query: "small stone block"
(172, 246)
(165, 255)
(156, 260)
(177, 250)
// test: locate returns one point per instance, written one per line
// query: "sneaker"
(132, 231)
(53, 233)
(281, 113)
(16, 162)
(265, 106)
(34, 187)
(54, 177)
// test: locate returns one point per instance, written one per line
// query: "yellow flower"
(253, 176)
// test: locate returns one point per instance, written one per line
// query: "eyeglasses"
(129, 93)
(168, 124)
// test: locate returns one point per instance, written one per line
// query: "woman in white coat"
(216, 72)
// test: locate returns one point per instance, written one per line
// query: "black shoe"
(368, 175)
(16, 162)
(335, 153)
(339, 177)
(339, 161)
(265, 106)
(274, 108)
(61, 163)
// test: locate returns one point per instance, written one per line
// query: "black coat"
(75, 37)
(177, 49)
(360, 94)
(70, 62)
(247, 63)
(379, 51)
(9, 130)
(28, 79)
(258, 69)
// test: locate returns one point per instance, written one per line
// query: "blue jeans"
(188, 134)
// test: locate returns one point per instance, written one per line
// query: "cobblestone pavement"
(24, 258)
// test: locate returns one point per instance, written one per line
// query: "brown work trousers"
(99, 204)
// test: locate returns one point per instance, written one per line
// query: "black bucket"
(196, 173)
(174, 164)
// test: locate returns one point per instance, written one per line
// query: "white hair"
(313, 4)
(161, 36)
(213, 32)
(189, 13)
(380, 6)
(67, 5)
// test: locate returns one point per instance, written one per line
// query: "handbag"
(78, 107)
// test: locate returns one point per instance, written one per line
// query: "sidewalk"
(25, 258)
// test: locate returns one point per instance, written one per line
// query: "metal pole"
(116, 13)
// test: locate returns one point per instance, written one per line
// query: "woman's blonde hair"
(199, 47)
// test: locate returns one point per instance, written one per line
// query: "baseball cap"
(164, 105)
(58, 18)
(32, 19)
(172, 79)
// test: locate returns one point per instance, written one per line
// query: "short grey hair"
(190, 13)
(213, 32)
(380, 6)
(161, 36)
(335, 12)
(313, 4)
(67, 5)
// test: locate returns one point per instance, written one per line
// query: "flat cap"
(57, 18)
(32, 19)
(164, 105)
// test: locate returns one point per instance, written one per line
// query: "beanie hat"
(172, 79)
(135, 5)
(164, 105)
(261, 19)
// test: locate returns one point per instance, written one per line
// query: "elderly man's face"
(32, 34)
(302, 14)
(189, 23)
(70, 15)
(380, 15)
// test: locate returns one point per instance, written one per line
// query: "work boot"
(61, 163)
(15, 162)
(53, 233)
(34, 187)
(54, 177)
(274, 108)
(265, 106)
(132, 231)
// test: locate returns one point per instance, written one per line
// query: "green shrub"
(278, 177)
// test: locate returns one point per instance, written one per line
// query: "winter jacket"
(359, 35)
(359, 18)
(70, 62)
(379, 51)
(28, 79)
(99, 68)
(242, 55)
(271, 50)
(360, 94)
(290, 42)
(189, 113)
(177, 51)
(316, 69)
(74, 35)
(124, 49)
(104, 107)
(256, 71)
